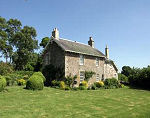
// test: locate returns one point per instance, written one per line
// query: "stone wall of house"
(73, 67)
(109, 71)
(54, 55)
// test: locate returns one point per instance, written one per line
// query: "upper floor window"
(97, 62)
(81, 76)
(81, 60)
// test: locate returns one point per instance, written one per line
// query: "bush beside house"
(35, 82)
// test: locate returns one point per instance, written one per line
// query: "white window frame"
(81, 76)
(81, 60)
(97, 62)
(97, 77)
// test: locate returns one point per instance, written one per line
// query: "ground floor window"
(81, 76)
(97, 77)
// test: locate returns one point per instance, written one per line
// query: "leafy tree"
(126, 70)
(7, 31)
(122, 77)
(5, 47)
(44, 41)
(25, 43)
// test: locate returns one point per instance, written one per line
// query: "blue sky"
(124, 25)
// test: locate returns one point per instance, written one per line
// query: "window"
(97, 62)
(97, 77)
(81, 60)
(81, 76)
(46, 59)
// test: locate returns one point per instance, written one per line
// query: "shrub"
(69, 80)
(84, 83)
(82, 87)
(52, 73)
(10, 81)
(75, 88)
(99, 84)
(122, 78)
(55, 83)
(35, 83)
(2, 83)
(67, 88)
(62, 85)
(25, 77)
(28, 67)
(5, 68)
(93, 87)
(40, 75)
(21, 82)
(111, 83)
(88, 75)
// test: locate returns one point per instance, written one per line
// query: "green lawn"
(55, 103)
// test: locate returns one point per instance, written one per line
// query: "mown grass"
(55, 103)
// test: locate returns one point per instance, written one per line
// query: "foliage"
(123, 78)
(35, 83)
(140, 77)
(40, 75)
(55, 83)
(111, 83)
(7, 30)
(127, 71)
(15, 38)
(28, 67)
(2, 83)
(67, 88)
(21, 82)
(69, 80)
(25, 43)
(62, 85)
(10, 80)
(38, 64)
(99, 84)
(52, 73)
(84, 83)
(82, 87)
(93, 87)
(44, 41)
(88, 75)
(5, 68)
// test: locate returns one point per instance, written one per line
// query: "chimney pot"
(55, 33)
(91, 42)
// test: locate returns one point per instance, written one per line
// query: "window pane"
(97, 77)
(81, 76)
(97, 62)
(81, 60)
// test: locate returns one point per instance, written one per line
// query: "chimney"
(55, 33)
(91, 42)
(107, 52)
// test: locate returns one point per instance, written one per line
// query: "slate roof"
(76, 47)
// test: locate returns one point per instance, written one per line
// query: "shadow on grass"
(139, 88)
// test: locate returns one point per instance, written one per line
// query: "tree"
(44, 41)
(5, 48)
(127, 71)
(25, 43)
(7, 31)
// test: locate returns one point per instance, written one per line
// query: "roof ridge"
(75, 41)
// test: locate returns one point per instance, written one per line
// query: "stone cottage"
(75, 58)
